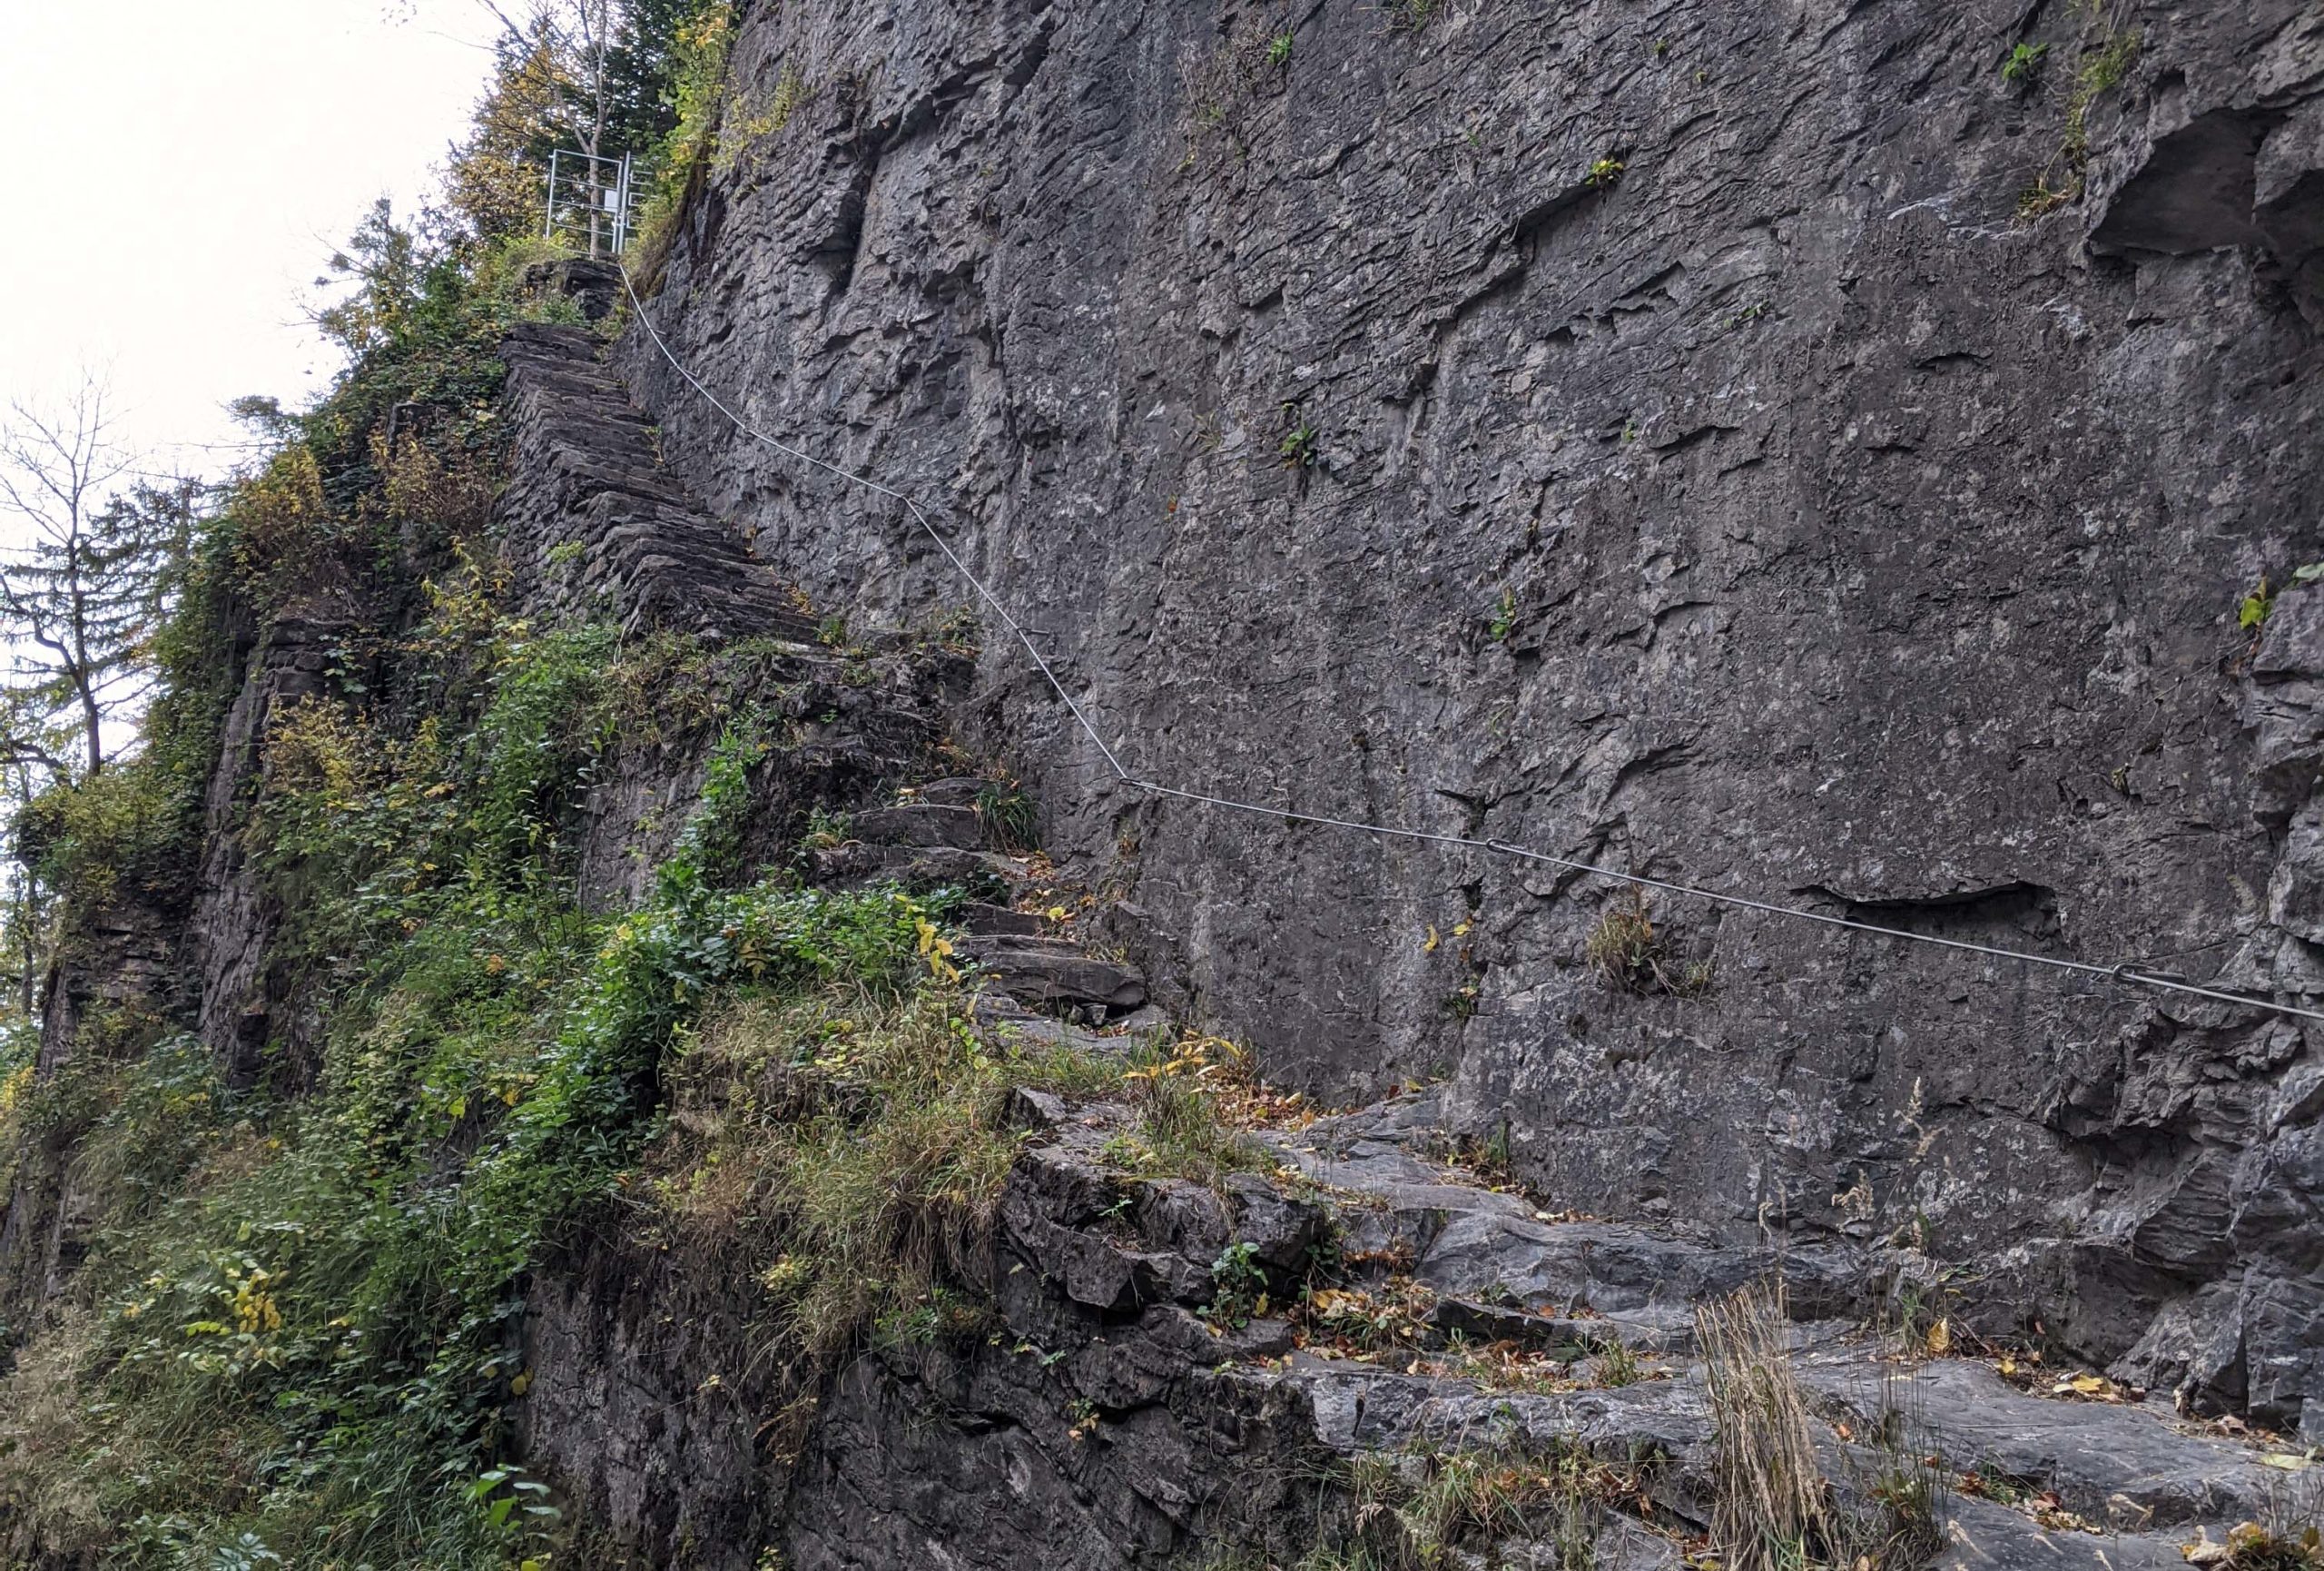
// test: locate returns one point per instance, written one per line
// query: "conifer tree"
(91, 556)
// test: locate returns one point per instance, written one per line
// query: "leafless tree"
(84, 575)
(574, 41)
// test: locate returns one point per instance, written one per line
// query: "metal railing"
(593, 202)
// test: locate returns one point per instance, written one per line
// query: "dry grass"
(1625, 951)
(45, 1503)
(859, 1145)
(1771, 1503)
(1772, 1507)
(1426, 1509)
(851, 1150)
(1196, 1101)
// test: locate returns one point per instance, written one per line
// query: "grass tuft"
(861, 1142)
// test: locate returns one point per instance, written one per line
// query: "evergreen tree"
(83, 586)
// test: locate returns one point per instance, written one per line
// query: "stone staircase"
(1113, 1379)
(1480, 1275)
(593, 524)
(937, 838)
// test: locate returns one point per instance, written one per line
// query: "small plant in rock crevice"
(1011, 818)
(1299, 447)
(1504, 621)
(1617, 1365)
(1238, 1288)
(2253, 611)
(2105, 53)
(1631, 955)
(1411, 16)
(2023, 67)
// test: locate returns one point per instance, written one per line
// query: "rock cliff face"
(1767, 446)
(1821, 452)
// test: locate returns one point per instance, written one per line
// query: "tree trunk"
(92, 717)
(28, 919)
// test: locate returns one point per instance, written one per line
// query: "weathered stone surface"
(644, 1398)
(234, 920)
(1780, 512)
(1051, 973)
(1104, 1424)
(921, 824)
(1653, 436)
(592, 524)
(999, 922)
(1617, 1271)
(2101, 1460)
(121, 972)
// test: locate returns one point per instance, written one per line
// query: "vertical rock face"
(234, 920)
(1667, 438)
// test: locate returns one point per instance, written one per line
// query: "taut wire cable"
(2125, 972)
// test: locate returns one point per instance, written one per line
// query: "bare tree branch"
(79, 588)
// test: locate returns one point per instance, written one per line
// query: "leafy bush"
(306, 1312)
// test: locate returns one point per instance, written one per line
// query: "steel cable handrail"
(2125, 972)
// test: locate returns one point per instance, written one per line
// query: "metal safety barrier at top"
(593, 202)
(2127, 972)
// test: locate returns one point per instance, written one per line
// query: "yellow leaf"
(1055, 913)
(518, 1385)
(1430, 947)
(2288, 1461)
(1940, 1337)
(1461, 929)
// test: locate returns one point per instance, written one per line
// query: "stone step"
(914, 866)
(2123, 1466)
(923, 824)
(961, 791)
(1051, 974)
(1000, 922)
(653, 556)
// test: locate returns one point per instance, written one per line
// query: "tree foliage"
(101, 551)
(602, 78)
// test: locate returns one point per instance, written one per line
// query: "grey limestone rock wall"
(1699, 465)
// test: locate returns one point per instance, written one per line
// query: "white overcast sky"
(178, 172)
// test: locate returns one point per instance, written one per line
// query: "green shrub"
(306, 1309)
